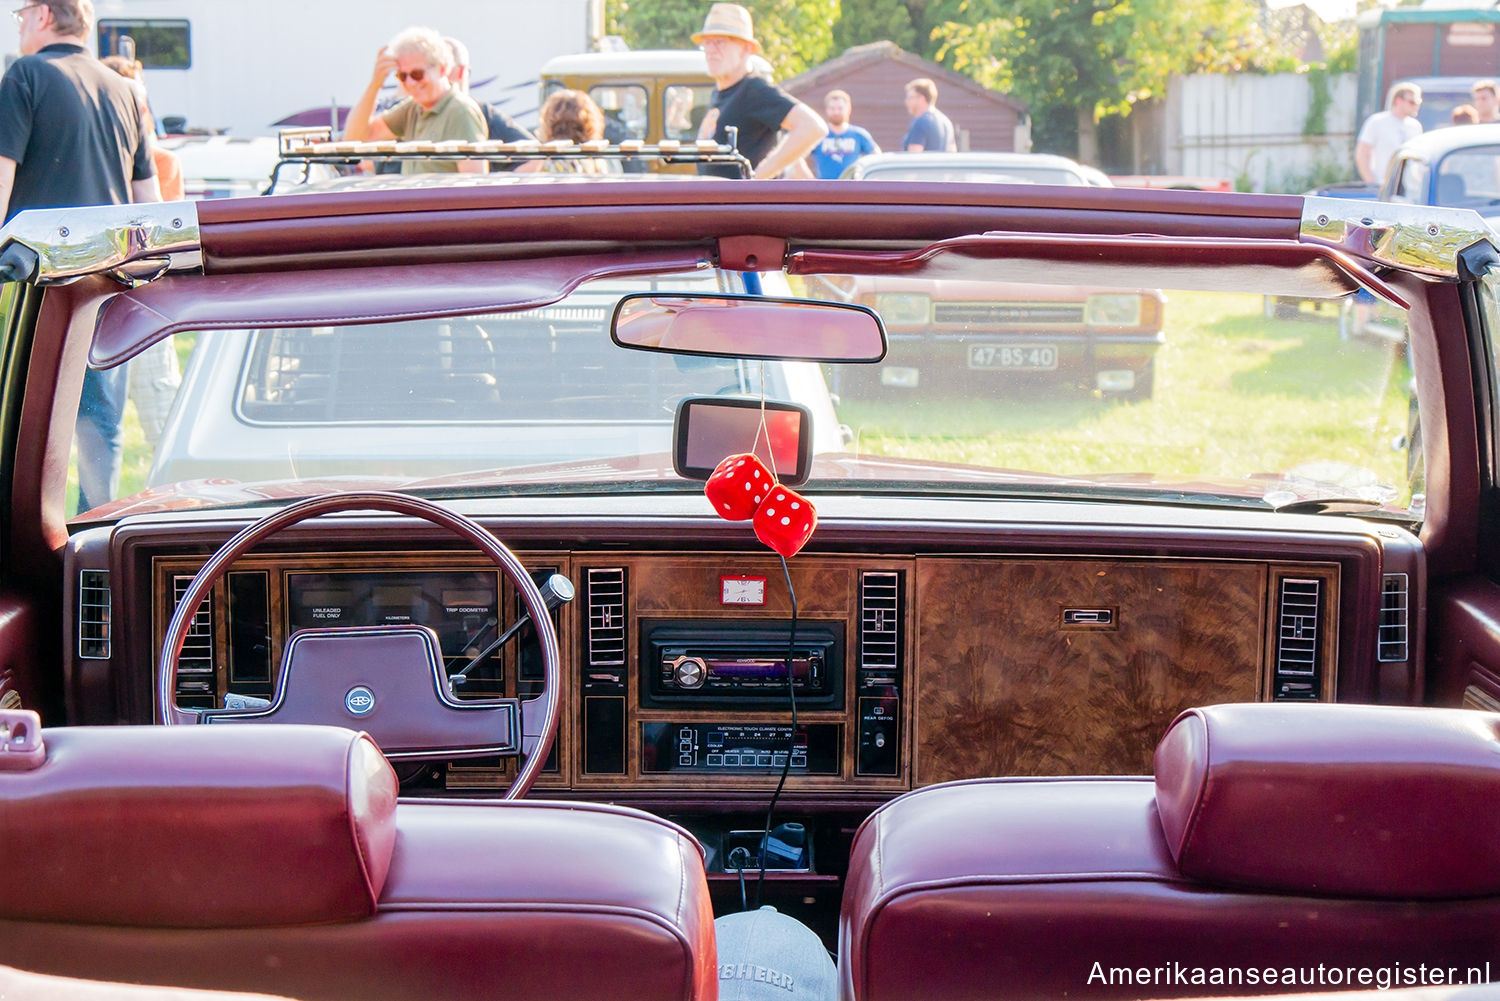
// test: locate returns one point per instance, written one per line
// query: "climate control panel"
(740, 748)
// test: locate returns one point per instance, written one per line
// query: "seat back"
(1452, 189)
(1273, 840)
(277, 859)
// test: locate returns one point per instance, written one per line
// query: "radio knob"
(690, 672)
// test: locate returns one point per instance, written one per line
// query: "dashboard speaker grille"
(93, 614)
(879, 621)
(195, 668)
(606, 605)
(1393, 617)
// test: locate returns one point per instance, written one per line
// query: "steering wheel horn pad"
(389, 682)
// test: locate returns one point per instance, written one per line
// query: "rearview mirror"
(748, 326)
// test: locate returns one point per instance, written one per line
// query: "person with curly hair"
(570, 116)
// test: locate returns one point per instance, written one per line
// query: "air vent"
(93, 614)
(879, 621)
(195, 667)
(606, 603)
(1297, 639)
(1393, 617)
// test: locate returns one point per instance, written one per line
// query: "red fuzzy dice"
(738, 485)
(785, 521)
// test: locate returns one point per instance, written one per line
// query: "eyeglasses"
(15, 15)
(416, 76)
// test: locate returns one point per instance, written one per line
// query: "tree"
(877, 21)
(795, 34)
(1094, 57)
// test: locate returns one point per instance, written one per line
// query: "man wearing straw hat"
(775, 129)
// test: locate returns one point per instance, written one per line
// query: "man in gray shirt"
(433, 110)
(930, 129)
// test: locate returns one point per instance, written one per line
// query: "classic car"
(518, 387)
(1457, 167)
(230, 166)
(1014, 694)
(972, 335)
(992, 168)
(648, 94)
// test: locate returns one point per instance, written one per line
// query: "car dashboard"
(1004, 639)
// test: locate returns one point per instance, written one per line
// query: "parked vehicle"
(521, 387)
(1439, 45)
(953, 334)
(648, 95)
(1453, 167)
(1440, 95)
(1018, 693)
(1459, 168)
(993, 168)
(233, 166)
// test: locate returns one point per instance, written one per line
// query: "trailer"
(1443, 46)
(249, 68)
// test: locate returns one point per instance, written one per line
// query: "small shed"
(875, 76)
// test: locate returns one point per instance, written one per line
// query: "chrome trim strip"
(1421, 238)
(72, 242)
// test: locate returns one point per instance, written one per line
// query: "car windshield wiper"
(1328, 505)
(1345, 505)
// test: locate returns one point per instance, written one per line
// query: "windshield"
(988, 389)
(1470, 178)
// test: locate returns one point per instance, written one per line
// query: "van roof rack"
(299, 147)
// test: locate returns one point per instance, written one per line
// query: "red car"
(994, 693)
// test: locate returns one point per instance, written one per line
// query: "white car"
(233, 166)
(992, 168)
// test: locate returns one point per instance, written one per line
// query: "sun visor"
(132, 321)
(1262, 267)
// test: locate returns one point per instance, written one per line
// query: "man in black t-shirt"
(775, 129)
(71, 134)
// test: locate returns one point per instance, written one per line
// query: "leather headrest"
(198, 827)
(1334, 800)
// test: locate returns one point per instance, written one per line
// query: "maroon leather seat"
(39, 987)
(1318, 841)
(278, 859)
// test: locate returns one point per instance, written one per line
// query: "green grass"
(136, 460)
(1235, 393)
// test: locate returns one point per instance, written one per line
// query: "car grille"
(1008, 313)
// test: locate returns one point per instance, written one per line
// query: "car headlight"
(1113, 310)
(904, 309)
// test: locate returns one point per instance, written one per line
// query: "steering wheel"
(386, 680)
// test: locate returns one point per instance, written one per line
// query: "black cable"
(786, 766)
(739, 858)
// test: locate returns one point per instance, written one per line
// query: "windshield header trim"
(1271, 267)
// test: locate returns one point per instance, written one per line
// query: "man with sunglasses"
(434, 110)
(71, 134)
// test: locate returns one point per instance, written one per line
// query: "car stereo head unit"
(714, 664)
